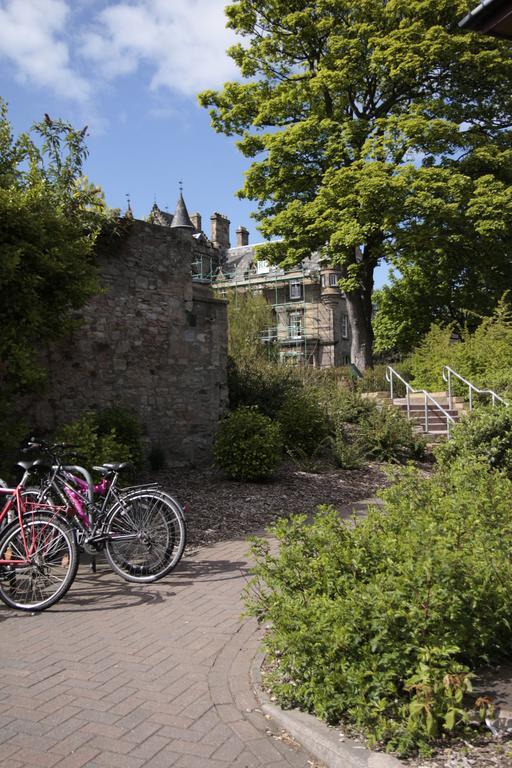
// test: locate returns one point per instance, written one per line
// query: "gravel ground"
(220, 509)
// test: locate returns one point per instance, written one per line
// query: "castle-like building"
(310, 315)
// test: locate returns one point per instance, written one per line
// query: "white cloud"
(73, 47)
(182, 41)
(32, 39)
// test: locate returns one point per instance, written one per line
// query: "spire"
(181, 218)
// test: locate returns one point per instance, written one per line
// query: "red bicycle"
(38, 553)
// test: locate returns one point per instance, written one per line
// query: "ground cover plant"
(381, 624)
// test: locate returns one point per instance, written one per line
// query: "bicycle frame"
(15, 498)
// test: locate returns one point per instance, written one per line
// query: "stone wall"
(153, 340)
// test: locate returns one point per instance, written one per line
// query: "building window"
(322, 280)
(295, 320)
(333, 280)
(295, 289)
(344, 326)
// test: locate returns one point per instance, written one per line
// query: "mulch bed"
(220, 509)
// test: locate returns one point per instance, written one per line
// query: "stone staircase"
(437, 421)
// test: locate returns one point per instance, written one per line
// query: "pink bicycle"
(38, 554)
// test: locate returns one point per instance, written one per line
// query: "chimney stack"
(195, 218)
(242, 236)
(220, 230)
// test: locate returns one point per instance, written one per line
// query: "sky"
(131, 70)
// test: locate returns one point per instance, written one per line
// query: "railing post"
(450, 398)
(470, 397)
(426, 413)
(391, 385)
(408, 399)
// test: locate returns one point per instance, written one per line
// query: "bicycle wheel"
(146, 537)
(47, 571)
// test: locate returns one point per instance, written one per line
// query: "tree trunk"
(359, 307)
(361, 349)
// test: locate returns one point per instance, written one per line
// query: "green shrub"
(484, 356)
(248, 445)
(95, 444)
(262, 384)
(485, 433)
(387, 435)
(374, 379)
(124, 422)
(380, 624)
(346, 448)
(304, 423)
(346, 406)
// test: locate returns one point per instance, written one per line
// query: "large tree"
(373, 125)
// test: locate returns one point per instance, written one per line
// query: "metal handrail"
(390, 372)
(447, 376)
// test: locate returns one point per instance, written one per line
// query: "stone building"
(309, 310)
(154, 340)
(310, 316)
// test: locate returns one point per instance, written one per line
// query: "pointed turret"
(181, 219)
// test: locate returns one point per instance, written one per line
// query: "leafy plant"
(262, 384)
(97, 440)
(304, 423)
(381, 623)
(388, 435)
(485, 433)
(248, 445)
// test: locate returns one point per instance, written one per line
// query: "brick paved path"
(118, 674)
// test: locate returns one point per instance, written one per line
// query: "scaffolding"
(304, 325)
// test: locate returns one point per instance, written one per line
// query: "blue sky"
(131, 71)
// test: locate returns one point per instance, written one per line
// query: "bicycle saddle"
(114, 467)
(40, 464)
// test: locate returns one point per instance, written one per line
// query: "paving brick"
(150, 747)
(157, 678)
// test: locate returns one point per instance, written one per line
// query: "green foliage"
(304, 423)
(261, 383)
(436, 350)
(381, 623)
(486, 434)
(249, 315)
(50, 217)
(347, 447)
(483, 356)
(248, 445)
(111, 435)
(388, 436)
(367, 143)
(346, 406)
(126, 426)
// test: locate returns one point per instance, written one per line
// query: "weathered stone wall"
(153, 340)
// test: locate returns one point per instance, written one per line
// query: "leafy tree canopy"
(378, 130)
(50, 217)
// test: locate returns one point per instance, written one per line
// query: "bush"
(387, 435)
(262, 384)
(485, 433)
(379, 624)
(348, 407)
(304, 423)
(98, 441)
(248, 445)
(484, 356)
